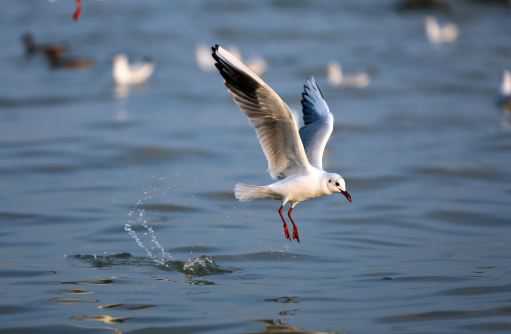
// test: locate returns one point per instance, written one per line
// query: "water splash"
(198, 266)
(148, 241)
(137, 217)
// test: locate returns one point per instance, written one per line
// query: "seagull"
(505, 91)
(294, 156)
(437, 33)
(337, 78)
(125, 74)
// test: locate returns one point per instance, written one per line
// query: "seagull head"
(336, 184)
(120, 59)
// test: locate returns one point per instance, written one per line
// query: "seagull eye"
(337, 183)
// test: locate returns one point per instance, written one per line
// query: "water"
(423, 248)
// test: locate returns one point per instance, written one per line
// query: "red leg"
(78, 10)
(284, 224)
(296, 236)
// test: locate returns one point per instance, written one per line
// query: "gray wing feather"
(275, 124)
(318, 123)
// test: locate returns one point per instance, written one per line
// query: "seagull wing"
(318, 122)
(274, 123)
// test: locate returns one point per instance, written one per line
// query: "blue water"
(423, 248)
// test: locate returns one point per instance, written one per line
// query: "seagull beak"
(347, 195)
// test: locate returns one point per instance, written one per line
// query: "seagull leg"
(296, 236)
(284, 224)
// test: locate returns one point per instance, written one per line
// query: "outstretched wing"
(318, 122)
(275, 124)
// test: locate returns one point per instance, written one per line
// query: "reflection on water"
(281, 327)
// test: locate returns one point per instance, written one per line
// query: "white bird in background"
(295, 157)
(437, 33)
(337, 78)
(505, 91)
(207, 64)
(505, 87)
(126, 74)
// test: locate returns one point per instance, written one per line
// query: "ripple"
(129, 307)
(284, 300)
(98, 281)
(52, 329)
(448, 315)
(486, 327)
(468, 218)
(168, 208)
(425, 278)
(271, 256)
(218, 195)
(486, 173)
(39, 219)
(198, 266)
(35, 102)
(477, 290)
(19, 273)
(194, 249)
(13, 309)
(73, 300)
(370, 242)
(104, 318)
(376, 183)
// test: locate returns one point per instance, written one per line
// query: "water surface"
(423, 248)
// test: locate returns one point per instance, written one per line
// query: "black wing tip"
(214, 52)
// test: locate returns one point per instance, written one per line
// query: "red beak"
(347, 195)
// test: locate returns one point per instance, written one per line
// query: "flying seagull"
(294, 156)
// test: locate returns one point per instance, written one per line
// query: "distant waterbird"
(125, 74)
(32, 47)
(437, 33)
(57, 60)
(337, 78)
(294, 156)
(504, 100)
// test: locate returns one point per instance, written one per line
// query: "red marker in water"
(78, 10)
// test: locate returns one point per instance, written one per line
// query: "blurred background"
(116, 209)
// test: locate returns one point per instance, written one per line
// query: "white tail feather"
(246, 192)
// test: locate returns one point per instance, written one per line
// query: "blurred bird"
(57, 61)
(207, 64)
(337, 78)
(505, 91)
(32, 48)
(295, 157)
(125, 73)
(437, 33)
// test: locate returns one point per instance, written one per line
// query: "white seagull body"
(505, 91)
(126, 74)
(294, 155)
(337, 78)
(505, 87)
(437, 33)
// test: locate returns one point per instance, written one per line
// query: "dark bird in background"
(33, 48)
(57, 60)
